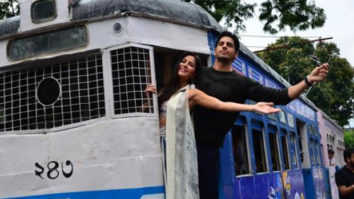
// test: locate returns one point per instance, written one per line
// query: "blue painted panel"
(263, 182)
(326, 183)
(268, 185)
(240, 65)
(212, 37)
(319, 183)
(106, 194)
(293, 184)
(308, 181)
(276, 189)
(227, 169)
(247, 187)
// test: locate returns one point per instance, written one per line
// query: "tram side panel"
(247, 184)
(116, 157)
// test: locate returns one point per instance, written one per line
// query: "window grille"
(131, 74)
(78, 94)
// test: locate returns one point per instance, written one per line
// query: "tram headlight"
(117, 27)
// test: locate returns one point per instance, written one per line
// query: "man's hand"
(318, 74)
(265, 108)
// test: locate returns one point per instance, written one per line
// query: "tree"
(295, 14)
(335, 96)
(9, 8)
(349, 138)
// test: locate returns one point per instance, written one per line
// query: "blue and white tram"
(74, 120)
(73, 116)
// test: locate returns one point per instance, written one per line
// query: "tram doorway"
(303, 144)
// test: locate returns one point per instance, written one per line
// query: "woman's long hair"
(173, 85)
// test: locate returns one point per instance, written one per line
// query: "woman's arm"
(196, 96)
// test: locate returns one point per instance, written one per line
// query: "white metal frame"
(109, 94)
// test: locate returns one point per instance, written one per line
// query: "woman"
(175, 101)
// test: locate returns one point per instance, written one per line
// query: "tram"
(73, 115)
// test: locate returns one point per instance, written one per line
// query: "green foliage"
(9, 8)
(232, 11)
(349, 138)
(335, 95)
(295, 14)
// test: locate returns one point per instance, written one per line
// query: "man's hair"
(348, 153)
(330, 151)
(233, 37)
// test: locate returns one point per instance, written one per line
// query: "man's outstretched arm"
(317, 75)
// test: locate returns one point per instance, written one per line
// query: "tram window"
(131, 74)
(259, 152)
(285, 152)
(319, 155)
(272, 116)
(282, 117)
(239, 143)
(300, 147)
(303, 144)
(33, 99)
(293, 150)
(322, 155)
(312, 147)
(274, 151)
(48, 42)
(291, 121)
(43, 10)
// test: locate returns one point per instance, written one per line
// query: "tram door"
(303, 144)
(304, 149)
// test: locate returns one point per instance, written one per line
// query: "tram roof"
(9, 26)
(168, 10)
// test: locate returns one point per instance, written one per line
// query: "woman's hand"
(150, 89)
(265, 108)
(147, 105)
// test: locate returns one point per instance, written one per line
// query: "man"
(223, 83)
(331, 159)
(345, 176)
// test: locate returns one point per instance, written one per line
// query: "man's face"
(330, 155)
(350, 161)
(225, 49)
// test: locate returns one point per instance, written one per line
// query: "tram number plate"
(54, 169)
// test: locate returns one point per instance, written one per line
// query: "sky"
(339, 25)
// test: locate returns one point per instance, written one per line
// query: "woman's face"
(187, 68)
